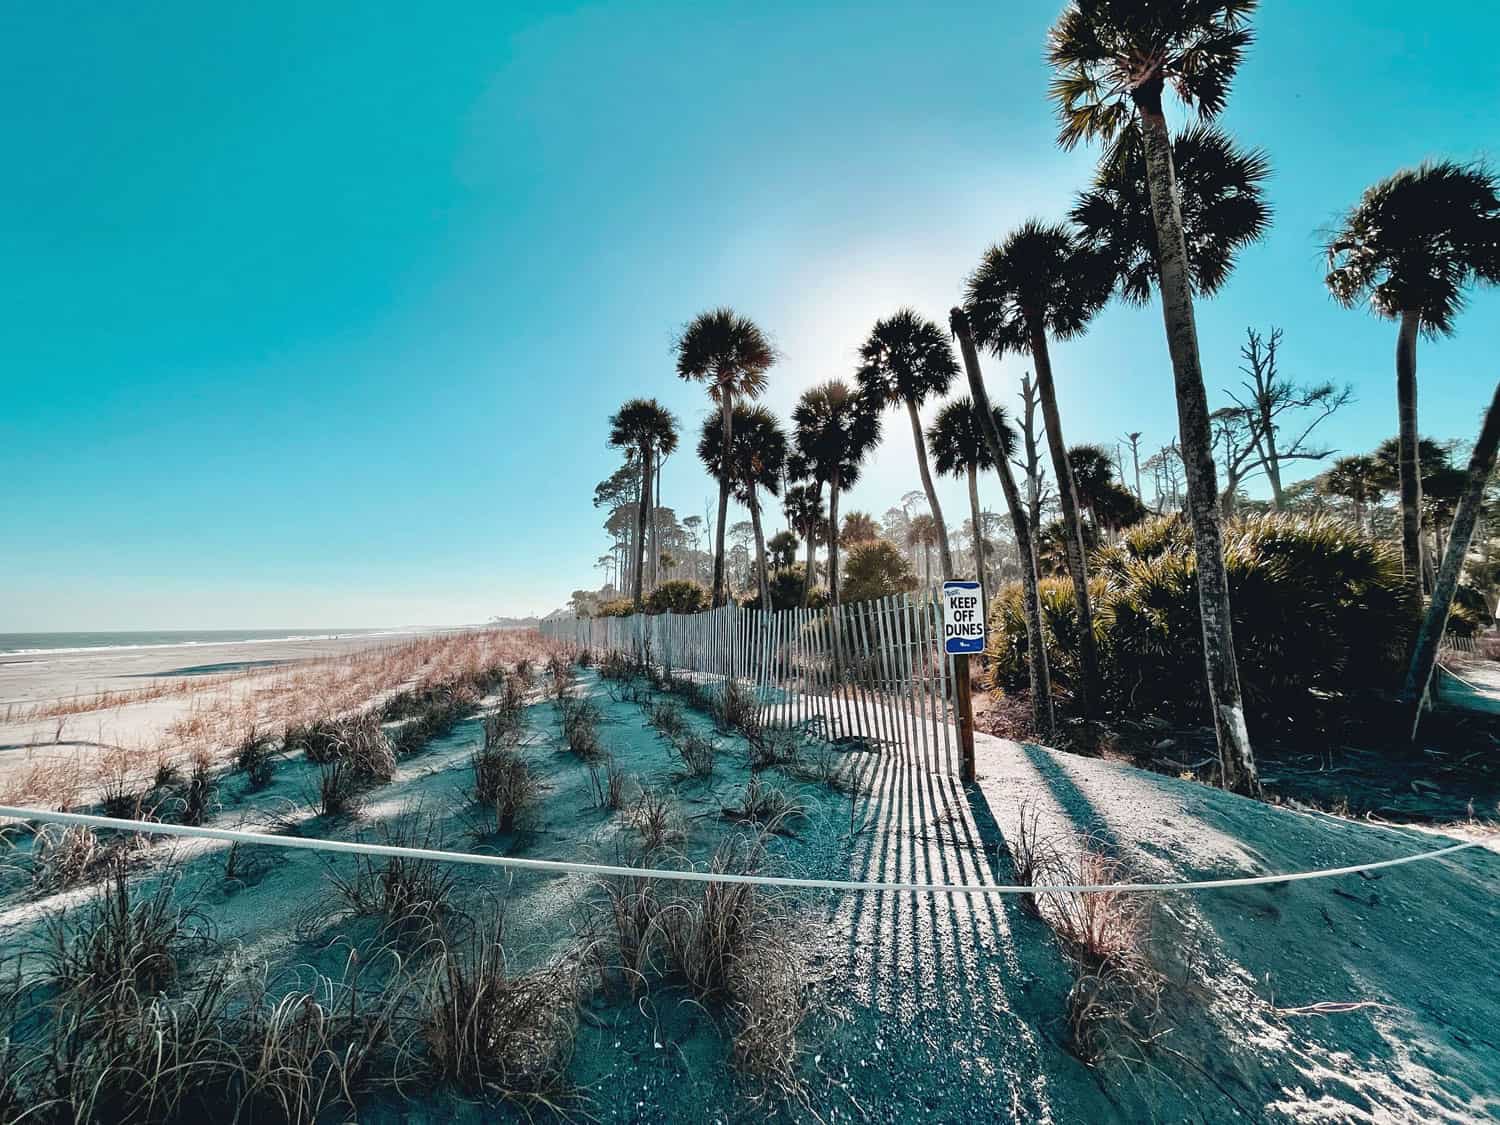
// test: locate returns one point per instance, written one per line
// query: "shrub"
(786, 591)
(677, 595)
(1317, 608)
(875, 569)
(619, 607)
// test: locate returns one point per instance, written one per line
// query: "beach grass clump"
(656, 818)
(584, 657)
(504, 782)
(334, 792)
(698, 755)
(64, 856)
(764, 805)
(616, 667)
(123, 940)
(772, 746)
(1116, 993)
(580, 719)
(560, 676)
(358, 741)
(607, 783)
(255, 758)
(410, 896)
(199, 794)
(666, 718)
(497, 1033)
(734, 708)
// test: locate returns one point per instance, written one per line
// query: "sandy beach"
(65, 715)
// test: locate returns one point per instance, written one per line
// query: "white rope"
(567, 867)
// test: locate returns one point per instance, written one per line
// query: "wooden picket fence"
(872, 671)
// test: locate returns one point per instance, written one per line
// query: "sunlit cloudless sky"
(314, 314)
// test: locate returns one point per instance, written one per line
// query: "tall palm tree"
(1114, 60)
(803, 505)
(757, 456)
(906, 360)
(649, 429)
(1093, 477)
(730, 354)
(956, 439)
(1042, 281)
(1410, 248)
(835, 429)
(1036, 646)
(858, 527)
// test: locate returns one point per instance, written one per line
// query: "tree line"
(1164, 218)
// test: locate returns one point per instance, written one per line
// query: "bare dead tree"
(1268, 397)
(1031, 467)
(1237, 436)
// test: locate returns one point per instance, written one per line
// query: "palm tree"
(731, 355)
(1481, 467)
(649, 429)
(1410, 248)
(1042, 281)
(757, 456)
(1114, 61)
(835, 429)
(905, 360)
(1036, 647)
(858, 527)
(1093, 477)
(1356, 479)
(959, 449)
(803, 505)
(922, 532)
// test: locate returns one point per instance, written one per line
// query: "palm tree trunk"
(1067, 495)
(944, 554)
(656, 528)
(984, 591)
(640, 526)
(760, 549)
(812, 551)
(1036, 646)
(726, 410)
(833, 539)
(1406, 453)
(1460, 533)
(1236, 759)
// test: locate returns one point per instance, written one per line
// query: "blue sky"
(314, 314)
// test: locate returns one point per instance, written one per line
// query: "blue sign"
(963, 619)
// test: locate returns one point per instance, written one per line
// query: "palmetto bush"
(677, 595)
(1318, 609)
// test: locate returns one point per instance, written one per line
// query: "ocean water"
(34, 643)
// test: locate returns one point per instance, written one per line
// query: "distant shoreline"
(63, 643)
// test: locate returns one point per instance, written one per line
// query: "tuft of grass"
(667, 719)
(607, 781)
(336, 794)
(773, 746)
(560, 676)
(504, 782)
(765, 805)
(123, 941)
(358, 741)
(1031, 856)
(65, 856)
(255, 758)
(656, 818)
(698, 755)
(1116, 993)
(200, 792)
(410, 896)
(580, 727)
(167, 772)
(585, 657)
(493, 1032)
(734, 708)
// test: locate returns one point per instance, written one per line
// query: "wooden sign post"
(963, 636)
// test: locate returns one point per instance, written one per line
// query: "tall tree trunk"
(1033, 462)
(1067, 495)
(833, 538)
(1036, 645)
(1135, 455)
(760, 549)
(640, 525)
(812, 551)
(726, 410)
(1236, 759)
(1407, 451)
(1460, 533)
(945, 556)
(984, 590)
(656, 528)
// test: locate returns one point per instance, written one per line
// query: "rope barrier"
(568, 867)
